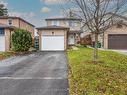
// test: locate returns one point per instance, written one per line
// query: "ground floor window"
(2, 31)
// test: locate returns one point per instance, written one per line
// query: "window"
(67, 24)
(72, 24)
(9, 21)
(56, 23)
(2, 32)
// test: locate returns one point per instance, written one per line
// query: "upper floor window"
(2, 31)
(10, 22)
(73, 24)
(67, 23)
(56, 23)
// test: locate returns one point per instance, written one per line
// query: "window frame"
(55, 23)
(10, 23)
(2, 31)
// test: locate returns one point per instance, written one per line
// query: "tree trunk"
(96, 48)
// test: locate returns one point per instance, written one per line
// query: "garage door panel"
(2, 43)
(117, 41)
(52, 43)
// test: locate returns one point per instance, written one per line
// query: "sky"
(35, 11)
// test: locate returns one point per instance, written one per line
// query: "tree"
(3, 10)
(97, 15)
(21, 40)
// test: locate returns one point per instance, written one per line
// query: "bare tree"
(97, 15)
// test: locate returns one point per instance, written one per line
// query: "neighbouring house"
(86, 40)
(7, 26)
(115, 36)
(59, 33)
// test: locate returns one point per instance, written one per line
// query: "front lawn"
(4, 55)
(108, 77)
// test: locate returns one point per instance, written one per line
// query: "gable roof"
(14, 17)
(117, 15)
(52, 27)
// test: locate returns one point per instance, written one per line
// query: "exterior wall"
(25, 26)
(56, 32)
(14, 21)
(65, 23)
(113, 30)
(62, 22)
(19, 24)
(7, 39)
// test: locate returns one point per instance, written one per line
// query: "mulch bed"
(9, 54)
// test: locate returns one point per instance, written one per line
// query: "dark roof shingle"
(52, 27)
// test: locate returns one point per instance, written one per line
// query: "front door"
(71, 40)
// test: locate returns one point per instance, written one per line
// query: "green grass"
(107, 77)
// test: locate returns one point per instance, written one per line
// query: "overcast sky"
(35, 11)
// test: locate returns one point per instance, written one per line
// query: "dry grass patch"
(107, 77)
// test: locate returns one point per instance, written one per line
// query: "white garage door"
(52, 43)
(2, 43)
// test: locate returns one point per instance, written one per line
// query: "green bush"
(21, 40)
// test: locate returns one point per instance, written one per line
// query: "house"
(7, 26)
(115, 36)
(59, 33)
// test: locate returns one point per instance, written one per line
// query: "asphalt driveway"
(42, 73)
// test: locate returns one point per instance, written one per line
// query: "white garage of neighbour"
(2, 40)
(53, 38)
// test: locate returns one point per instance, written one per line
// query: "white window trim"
(57, 23)
(11, 22)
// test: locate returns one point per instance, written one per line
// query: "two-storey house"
(7, 26)
(73, 23)
(59, 33)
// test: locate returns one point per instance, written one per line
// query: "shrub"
(21, 40)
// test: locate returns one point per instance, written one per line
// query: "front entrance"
(71, 40)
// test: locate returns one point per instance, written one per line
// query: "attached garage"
(52, 43)
(117, 41)
(5, 37)
(53, 38)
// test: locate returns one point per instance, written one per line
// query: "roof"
(14, 17)
(63, 18)
(52, 27)
(6, 26)
(121, 16)
(75, 31)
